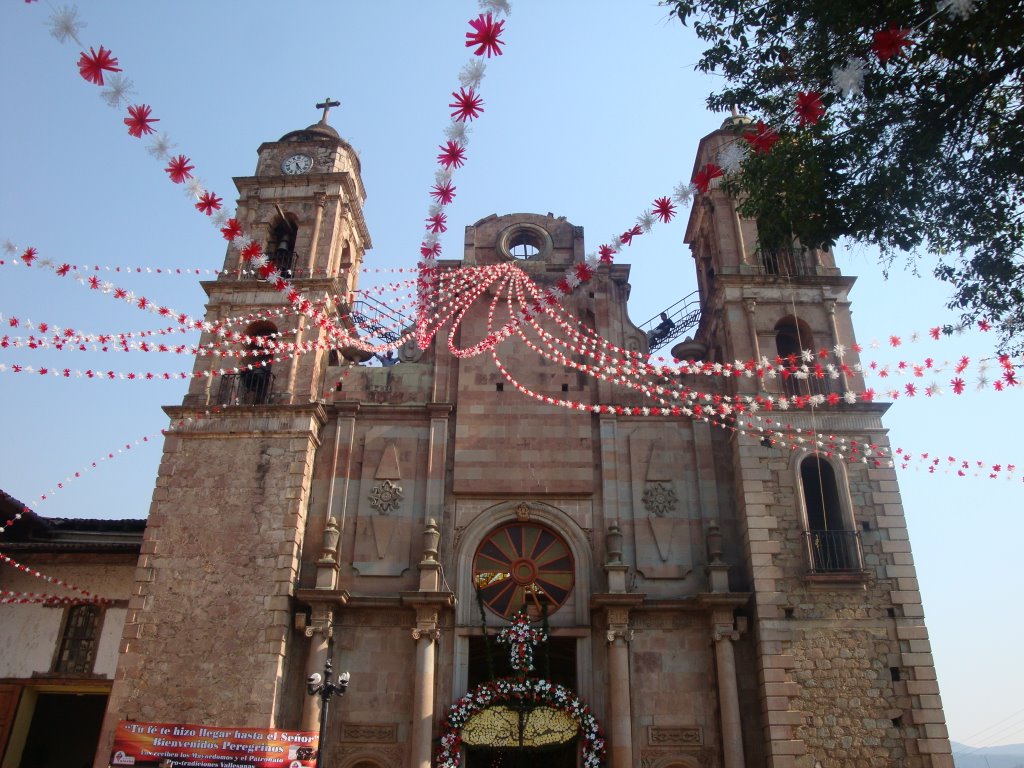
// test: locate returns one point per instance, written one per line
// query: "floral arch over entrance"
(520, 694)
(520, 711)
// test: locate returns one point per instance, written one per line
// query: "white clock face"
(297, 164)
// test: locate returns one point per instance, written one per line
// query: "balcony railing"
(377, 320)
(785, 261)
(682, 316)
(793, 386)
(834, 551)
(246, 388)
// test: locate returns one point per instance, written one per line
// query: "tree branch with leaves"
(920, 147)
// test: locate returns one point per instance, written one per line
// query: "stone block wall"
(210, 613)
(839, 653)
(377, 648)
(672, 674)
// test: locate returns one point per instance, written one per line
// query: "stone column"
(755, 345)
(428, 602)
(314, 240)
(319, 632)
(620, 728)
(830, 307)
(723, 636)
(426, 637)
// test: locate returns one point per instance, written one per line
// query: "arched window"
(281, 248)
(254, 383)
(833, 544)
(792, 337)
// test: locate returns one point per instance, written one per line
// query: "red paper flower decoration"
(705, 176)
(629, 234)
(891, 42)
(179, 169)
(138, 120)
(809, 108)
(92, 65)
(63, 269)
(452, 154)
(251, 251)
(762, 139)
(231, 229)
(29, 256)
(208, 203)
(485, 35)
(467, 105)
(443, 193)
(583, 271)
(607, 254)
(664, 209)
(438, 223)
(431, 251)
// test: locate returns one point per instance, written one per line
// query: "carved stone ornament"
(626, 635)
(371, 732)
(386, 496)
(682, 735)
(659, 499)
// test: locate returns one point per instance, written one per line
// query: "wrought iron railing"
(246, 388)
(792, 385)
(282, 261)
(376, 319)
(785, 261)
(682, 316)
(834, 551)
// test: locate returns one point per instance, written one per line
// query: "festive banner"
(168, 744)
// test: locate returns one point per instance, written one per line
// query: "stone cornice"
(330, 596)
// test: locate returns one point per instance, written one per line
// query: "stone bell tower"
(845, 676)
(209, 622)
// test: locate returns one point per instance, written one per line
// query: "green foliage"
(928, 159)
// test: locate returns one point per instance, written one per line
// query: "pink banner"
(168, 745)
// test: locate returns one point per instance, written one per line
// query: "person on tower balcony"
(661, 331)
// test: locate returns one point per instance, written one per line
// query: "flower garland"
(531, 691)
(89, 596)
(521, 638)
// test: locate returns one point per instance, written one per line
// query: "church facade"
(714, 596)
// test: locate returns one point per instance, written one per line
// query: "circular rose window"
(525, 241)
(523, 564)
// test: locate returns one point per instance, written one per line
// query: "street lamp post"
(326, 689)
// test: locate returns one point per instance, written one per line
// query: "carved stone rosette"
(659, 499)
(386, 496)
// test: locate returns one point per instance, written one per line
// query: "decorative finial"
(613, 544)
(326, 105)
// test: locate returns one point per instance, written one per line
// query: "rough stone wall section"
(845, 667)
(210, 612)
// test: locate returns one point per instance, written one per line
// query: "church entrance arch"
(521, 719)
(521, 722)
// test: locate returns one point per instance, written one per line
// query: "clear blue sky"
(593, 111)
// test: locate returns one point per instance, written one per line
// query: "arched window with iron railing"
(832, 540)
(254, 382)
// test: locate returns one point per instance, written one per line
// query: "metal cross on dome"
(326, 105)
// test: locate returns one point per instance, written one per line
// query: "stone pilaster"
(429, 602)
(723, 635)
